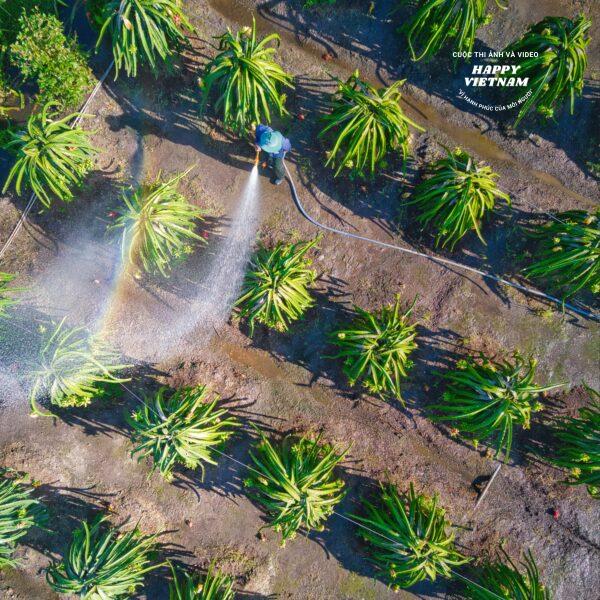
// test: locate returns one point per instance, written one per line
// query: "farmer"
(276, 146)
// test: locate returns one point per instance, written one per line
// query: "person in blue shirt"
(276, 146)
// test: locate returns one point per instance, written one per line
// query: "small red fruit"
(112, 214)
(205, 235)
(300, 117)
(555, 513)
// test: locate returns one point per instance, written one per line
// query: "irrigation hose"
(445, 262)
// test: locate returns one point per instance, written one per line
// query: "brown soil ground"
(283, 382)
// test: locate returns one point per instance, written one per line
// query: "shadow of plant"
(67, 507)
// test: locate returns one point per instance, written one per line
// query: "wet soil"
(284, 383)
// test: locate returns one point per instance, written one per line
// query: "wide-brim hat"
(271, 141)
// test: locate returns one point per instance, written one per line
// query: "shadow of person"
(179, 122)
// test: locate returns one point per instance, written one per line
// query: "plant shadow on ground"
(308, 344)
(175, 114)
(529, 446)
(309, 347)
(186, 279)
(371, 198)
(438, 349)
(67, 507)
(501, 230)
(438, 352)
(108, 418)
(506, 252)
(227, 477)
(95, 198)
(302, 25)
(540, 440)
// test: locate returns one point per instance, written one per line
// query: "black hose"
(445, 262)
